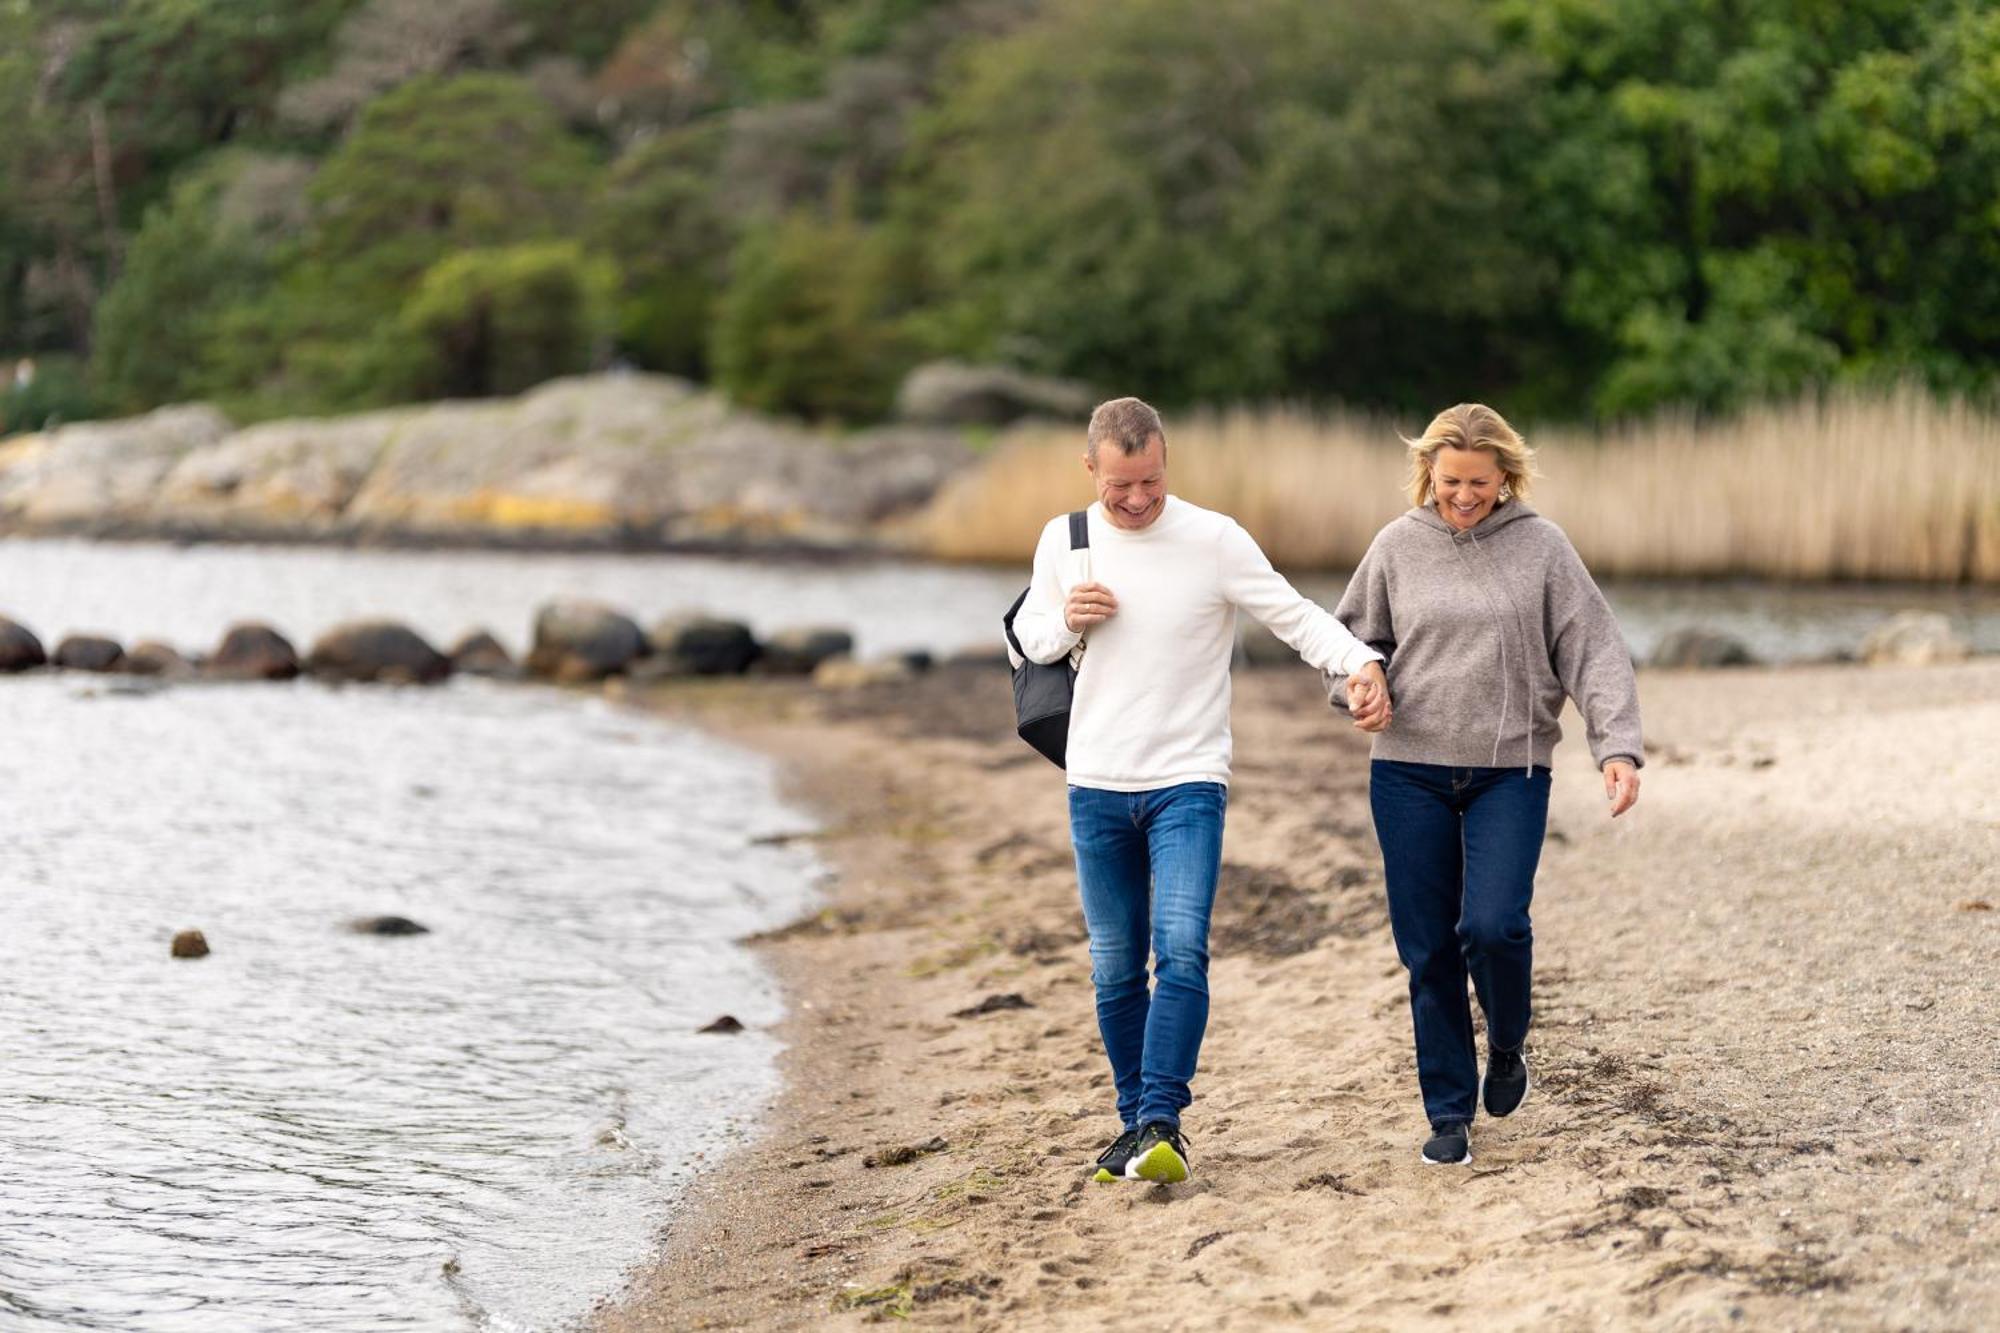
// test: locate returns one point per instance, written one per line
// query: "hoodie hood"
(1507, 511)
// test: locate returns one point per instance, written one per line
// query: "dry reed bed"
(1895, 486)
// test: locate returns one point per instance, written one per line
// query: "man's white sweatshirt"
(1152, 687)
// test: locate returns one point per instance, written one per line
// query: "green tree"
(500, 321)
(802, 327)
(660, 220)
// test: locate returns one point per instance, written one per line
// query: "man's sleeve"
(1039, 623)
(1249, 581)
(1364, 609)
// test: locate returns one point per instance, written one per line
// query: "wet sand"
(1766, 1089)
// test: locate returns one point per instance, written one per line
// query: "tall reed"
(1888, 486)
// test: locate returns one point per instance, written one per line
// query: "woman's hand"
(1368, 698)
(1621, 786)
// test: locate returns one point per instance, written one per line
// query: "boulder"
(578, 641)
(480, 654)
(798, 652)
(377, 650)
(152, 658)
(1695, 647)
(20, 650)
(387, 925)
(1913, 638)
(88, 652)
(190, 944)
(952, 393)
(844, 673)
(700, 645)
(252, 651)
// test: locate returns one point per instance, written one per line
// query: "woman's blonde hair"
(1470, 426)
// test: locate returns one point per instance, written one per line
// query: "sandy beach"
(1766, 1089)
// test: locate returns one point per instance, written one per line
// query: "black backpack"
(1042, 694)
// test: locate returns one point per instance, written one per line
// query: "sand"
(1766, 1090)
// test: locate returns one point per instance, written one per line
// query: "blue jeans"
(1459, 850)
(1146, 862)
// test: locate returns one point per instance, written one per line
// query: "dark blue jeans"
(1459, 850)
(1146, 862)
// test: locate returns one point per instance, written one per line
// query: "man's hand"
(1089, 604)
(1621, 786)
(1368, 698)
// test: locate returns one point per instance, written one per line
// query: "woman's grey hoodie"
(1485, 632)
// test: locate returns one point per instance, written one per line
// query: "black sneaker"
(1505, 1084)
(1159, 1156)
(1450, 1144)
(1111, 1162)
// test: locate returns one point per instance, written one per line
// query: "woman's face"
(1467, 485)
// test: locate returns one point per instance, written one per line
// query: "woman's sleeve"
(1588, 653)
(1365, 610)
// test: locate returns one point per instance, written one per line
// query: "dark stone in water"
(151, 658)
(89, 652)
(698, 645)
(579, 641)
(993, 1004)
(480, 654)
(20, 650)
(190, 944)
(1700, 648)
(377, 650)
(726, 1023)
(798, 652)
(251, 651)
(389, 925)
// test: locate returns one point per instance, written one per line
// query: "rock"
(578, 641)
(994, 1004)
(151, 658)
(1694, 647)
(701, 645)
(844, 673)
(88, 652)
(377, 650)
(1913, 638)
(20, 650)
(251, 651)
(99, 472)
(480, 654)
(190, 944)
(952, 393)
(904, 1154)
(918, 660)
(387, 925)
(724, 1024)
(798, 652)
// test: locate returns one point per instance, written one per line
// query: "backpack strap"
(1079, 530)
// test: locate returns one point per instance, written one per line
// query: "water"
(189, 596)
(482, 1127)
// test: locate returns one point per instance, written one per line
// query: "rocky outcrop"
(377, 650)
(252, 651)
(20, 650)
(596, 460)
(1913, 638)
(579, 641)
(1693, 647)
(951, 393)
(88, 652)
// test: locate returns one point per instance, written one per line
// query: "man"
(1152, 602)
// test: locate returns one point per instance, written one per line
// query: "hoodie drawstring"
(1527, 672)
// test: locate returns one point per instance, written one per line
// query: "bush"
(802, 327)
(59, 393)
(490, 322)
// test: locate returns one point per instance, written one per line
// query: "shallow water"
(481, 1127)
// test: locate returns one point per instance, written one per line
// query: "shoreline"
(1747, 1097)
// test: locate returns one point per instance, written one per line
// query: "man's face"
(1131, 487)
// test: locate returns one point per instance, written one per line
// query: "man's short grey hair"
(1125, 422)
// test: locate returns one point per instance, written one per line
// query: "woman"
(1488, 620)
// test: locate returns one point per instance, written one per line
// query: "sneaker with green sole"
(1111, 1162)
(1160, 1155)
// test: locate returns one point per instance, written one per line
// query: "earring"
(1506, 493)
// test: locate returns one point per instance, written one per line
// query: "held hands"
(1089, 604)
(1621, 786)
(1368, 698)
